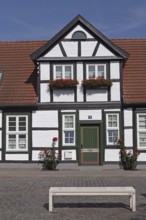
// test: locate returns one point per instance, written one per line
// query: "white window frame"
(111, 128)
(63, 72)
(68, 129)
(140, 130)
(17, 133)
(96, 70)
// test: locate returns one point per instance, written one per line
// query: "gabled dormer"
(79, 52)
(76, 33)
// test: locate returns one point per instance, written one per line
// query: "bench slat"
(92, 189)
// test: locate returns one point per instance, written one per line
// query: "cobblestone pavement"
(24, 195)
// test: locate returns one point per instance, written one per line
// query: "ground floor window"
(141, 131)
(68, 131)
(112, 128)
(16, 133)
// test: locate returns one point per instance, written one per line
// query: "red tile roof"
(19, 79)
(19, 82)
(134, 75)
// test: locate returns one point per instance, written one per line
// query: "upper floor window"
(112, 128)
(79, 35)
(96, 70)
(63, 71)
(141, 131)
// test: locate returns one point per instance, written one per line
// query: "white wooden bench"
(93, 191)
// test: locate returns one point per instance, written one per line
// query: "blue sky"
(41, 19)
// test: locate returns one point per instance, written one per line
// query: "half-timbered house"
(81, 87)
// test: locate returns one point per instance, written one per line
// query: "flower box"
(63, 84)
(96, 83)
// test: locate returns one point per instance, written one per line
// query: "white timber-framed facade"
(86, 120)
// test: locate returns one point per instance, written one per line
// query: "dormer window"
(79, 35)
(63, 71)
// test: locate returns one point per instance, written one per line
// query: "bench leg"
(130, 202)
(133, 202)
(50, 202)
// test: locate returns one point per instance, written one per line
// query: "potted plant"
(96, 83)
(63, 84)
(48, 157)
(128, 158)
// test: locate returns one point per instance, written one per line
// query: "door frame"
(101, 137)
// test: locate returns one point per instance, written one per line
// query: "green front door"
(90, 144)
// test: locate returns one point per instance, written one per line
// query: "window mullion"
(96, 71)
(17, 124)
(63, 71)
(17, 131)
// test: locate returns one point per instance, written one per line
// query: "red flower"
(119, 141)
(45, 151)
(122, 151)
(54, 139)
(96, 83)
(63, 83)
(137, 152)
